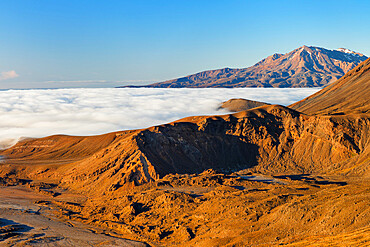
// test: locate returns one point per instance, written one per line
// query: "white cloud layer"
(88, 111)
(8, 75)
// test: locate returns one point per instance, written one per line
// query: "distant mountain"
(303, 67)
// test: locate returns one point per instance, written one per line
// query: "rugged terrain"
(271, 175)
(26, 223)
(302, 67)
(214, 209)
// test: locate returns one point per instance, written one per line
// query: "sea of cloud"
(89, 111)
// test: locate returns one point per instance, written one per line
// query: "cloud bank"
(8, 75)
(89, 111)
(119, 83)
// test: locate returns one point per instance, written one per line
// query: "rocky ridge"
(265, 139)
(307, 66)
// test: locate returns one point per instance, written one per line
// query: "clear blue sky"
(57, 43)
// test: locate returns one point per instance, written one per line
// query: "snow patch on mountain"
(349, 52)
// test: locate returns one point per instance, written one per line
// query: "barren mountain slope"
(302, 67)
(351, 94)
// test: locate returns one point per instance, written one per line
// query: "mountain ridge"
(306, 66)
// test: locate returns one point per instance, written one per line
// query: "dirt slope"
(350, 94)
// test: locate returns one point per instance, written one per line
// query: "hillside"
(302, 67)
(351, 94)
(235, 105)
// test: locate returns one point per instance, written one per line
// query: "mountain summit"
(307, 66)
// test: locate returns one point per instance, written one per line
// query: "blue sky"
(46, 43)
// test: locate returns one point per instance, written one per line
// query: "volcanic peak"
(306, 66)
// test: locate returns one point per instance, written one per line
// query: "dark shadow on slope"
(9, 228)
(182, 148)
(309, 179)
